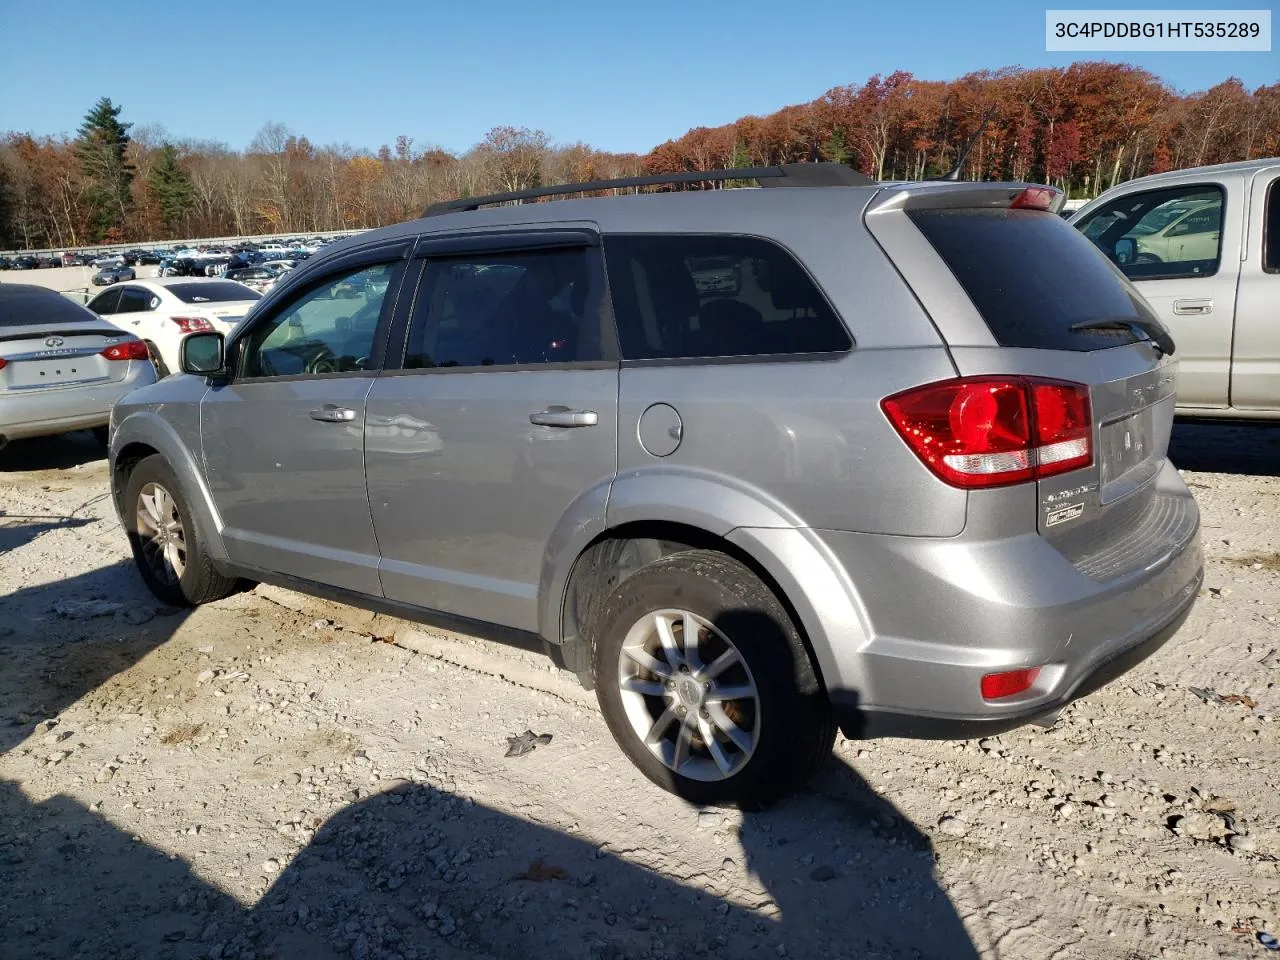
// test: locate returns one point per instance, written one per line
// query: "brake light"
(1035, 198)
(978, 432)
(997, 686)
(192, 324)
(129, 350)
(3, 363)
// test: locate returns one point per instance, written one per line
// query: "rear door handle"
(564, 417)
(330, 413)
(1192, 307)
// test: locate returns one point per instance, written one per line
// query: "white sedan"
(164, 311)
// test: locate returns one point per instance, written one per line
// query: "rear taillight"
(129, 350)
(997, 686)
(995, 431)
(193, 324)
(3, 363)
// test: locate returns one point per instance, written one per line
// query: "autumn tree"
(101, 148)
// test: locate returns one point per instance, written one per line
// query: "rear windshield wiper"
(1155, 332)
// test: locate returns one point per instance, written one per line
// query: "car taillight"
(3, 363)
(129, 350)
(995, 431)
(997, 686)
(192, 324)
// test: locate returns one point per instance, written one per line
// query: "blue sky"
(620, 77)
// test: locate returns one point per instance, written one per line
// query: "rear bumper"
(856, 722)
(931, 617)
(43, 413)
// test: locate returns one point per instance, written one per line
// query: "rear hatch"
(224, 303)
(1025, 299)
(56, 356)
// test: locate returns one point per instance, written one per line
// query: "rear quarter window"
(684, 296)
(1033, 276)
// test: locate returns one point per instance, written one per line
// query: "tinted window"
(133, 300)
(531, 307)
(1160, 234)
(1032, 277)
(1271, 230)
(329, 329)
(105, 303)
(715, 296)
(22, 304)
(217, 291)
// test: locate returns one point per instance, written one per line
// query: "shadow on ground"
(63, 452)
(63, 640)
(1250, 450)
(416, 872)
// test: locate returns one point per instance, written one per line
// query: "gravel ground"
(273, 776)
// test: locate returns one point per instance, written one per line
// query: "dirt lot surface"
(272, 776)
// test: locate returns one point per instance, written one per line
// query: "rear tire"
(739, 719)
(166, 542)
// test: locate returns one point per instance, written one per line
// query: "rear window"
(22, 304)
(686, 295)
(216, 292)
(1033, 276)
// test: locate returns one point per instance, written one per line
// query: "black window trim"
(1270, 199)
(461, 246)
(1209, 185)
(110, 290)
(806, 357)
(368, 256)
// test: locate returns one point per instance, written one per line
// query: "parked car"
(261, 279)
(1200, 245)
(905, 475)
(109, 260)
(6, 263)
(165, 311)
(61, 368)
(148, 257)
(25, 262)
(109, 275)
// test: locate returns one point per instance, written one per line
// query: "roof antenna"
(954, 173)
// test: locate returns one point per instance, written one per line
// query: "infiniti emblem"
(54, 342)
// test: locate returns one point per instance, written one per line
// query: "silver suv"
(754, 463)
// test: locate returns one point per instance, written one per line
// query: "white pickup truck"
(1203, 247)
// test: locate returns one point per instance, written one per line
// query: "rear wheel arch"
(619, 552)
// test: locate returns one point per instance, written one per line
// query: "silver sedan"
(61, 367)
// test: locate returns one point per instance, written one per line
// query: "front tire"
(166, 543)
(737, 716)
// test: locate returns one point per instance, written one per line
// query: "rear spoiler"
(945, 195)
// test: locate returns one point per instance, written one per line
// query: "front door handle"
(330, 413)
(1192, 307)
(564, 417)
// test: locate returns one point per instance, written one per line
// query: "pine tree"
(836, 148)
(171, 187)
(101, 147)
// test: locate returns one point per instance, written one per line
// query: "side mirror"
(202, 354)
(1126, 251)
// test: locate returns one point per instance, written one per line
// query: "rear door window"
(686, 295)
(133, 300)
(1033, 277)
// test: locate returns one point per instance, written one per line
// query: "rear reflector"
(997, 686)
(1035, 198)
(995, 431)
(193, 324)
(129, 350)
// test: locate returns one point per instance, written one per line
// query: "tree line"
(1083, 128)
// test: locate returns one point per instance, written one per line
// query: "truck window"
(1161, 234)
(1271, 230)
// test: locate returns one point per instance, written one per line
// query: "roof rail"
(784, 175)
